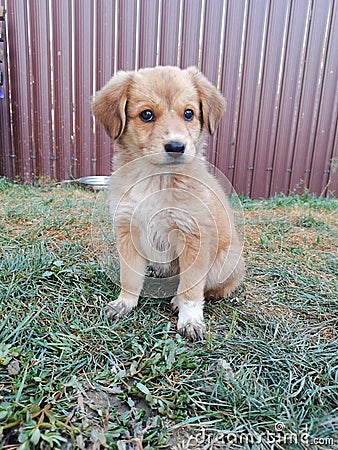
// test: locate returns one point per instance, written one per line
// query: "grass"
(265, 377)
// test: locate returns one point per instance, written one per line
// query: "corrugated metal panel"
(209, 60)
(255, 46)
(333, 177)
(150, 21)
(104, 67)
(323, 148)
(42, 152)
(232, 82)
(6, 163)
(20, 85)
(128, 34)
(311, 93)
(84, 159)
(291, 95)
(270, 99)
(191, 30)
(170, 32)
(276, 62)
(63, 87)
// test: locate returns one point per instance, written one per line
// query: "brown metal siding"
(84, 161)
(210, 57)
(63, 94)
(311, 92)
(333, 188)
(324, 149)
(42, 152)
(191, 24)
(6, 162)
(231, 83)
(22, 139)
(270, 98)
(276, 62)
(104, 67)
(149, 24)
(255, 46)
(299, 23)
(127, 34)
(169, 36)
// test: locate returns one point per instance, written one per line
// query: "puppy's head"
(160, 112)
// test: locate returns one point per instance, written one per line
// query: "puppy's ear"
(212, 101)
(109, 104)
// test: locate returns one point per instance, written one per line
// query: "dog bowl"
(96, 183)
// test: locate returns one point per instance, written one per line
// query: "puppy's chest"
(164, 210)
(157, 221)
(160, 205)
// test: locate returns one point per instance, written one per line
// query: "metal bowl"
(96, 183)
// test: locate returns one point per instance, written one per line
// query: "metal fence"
(276, 62)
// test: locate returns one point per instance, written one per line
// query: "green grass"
(265, 377)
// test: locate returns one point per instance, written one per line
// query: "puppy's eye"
(147, 116)
(188, 114)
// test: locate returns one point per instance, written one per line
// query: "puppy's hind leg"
(235, 278)
(132, 269)
(226, 274)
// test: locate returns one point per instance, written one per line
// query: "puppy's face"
(159, 113)
(163, 116)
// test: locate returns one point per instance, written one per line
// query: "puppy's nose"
(174, 147)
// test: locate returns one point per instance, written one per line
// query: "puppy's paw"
(190, 318)
(120, 307)
(194, 331)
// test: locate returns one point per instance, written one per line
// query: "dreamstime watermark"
(278, 435)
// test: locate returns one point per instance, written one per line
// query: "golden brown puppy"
(168, 210)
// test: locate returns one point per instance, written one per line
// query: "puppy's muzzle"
(174, 148)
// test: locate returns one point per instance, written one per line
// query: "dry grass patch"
(70, 379)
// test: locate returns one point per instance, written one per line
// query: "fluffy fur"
(168, 210)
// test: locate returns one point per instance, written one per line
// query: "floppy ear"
(212, 101)
(109, 105)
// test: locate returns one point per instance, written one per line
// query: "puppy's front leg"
(189, 300)
(132, 269)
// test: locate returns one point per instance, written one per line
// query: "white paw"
(190, 318)
(120, 307)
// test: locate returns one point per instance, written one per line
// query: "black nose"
(174, 147)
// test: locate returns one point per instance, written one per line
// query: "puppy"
(168, 210)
